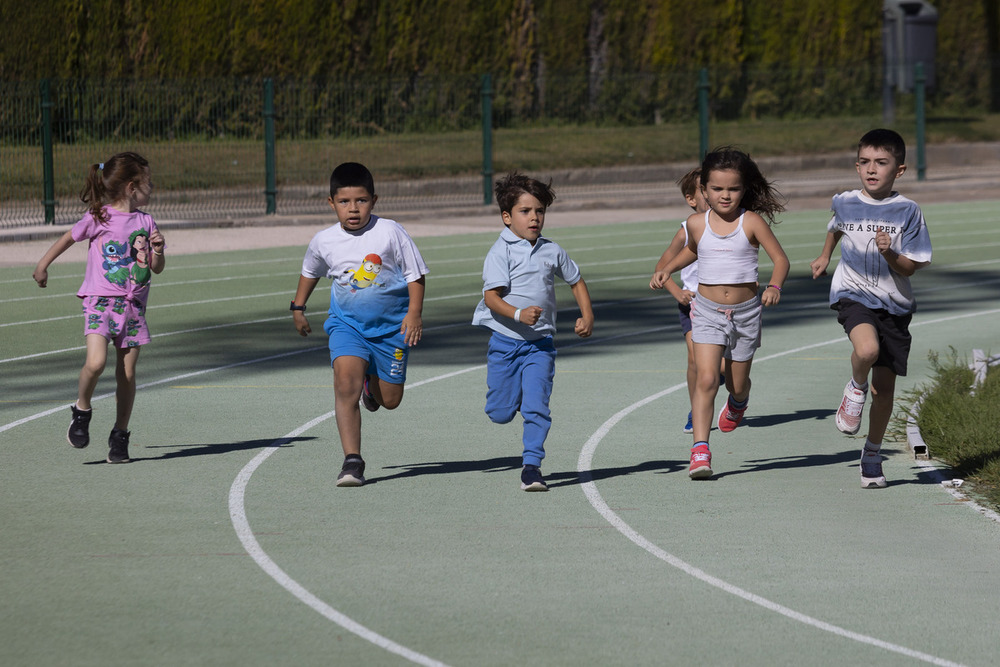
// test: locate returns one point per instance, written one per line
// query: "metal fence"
(208, 142)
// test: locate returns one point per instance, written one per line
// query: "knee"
(391, 402)
(867, 353)
(500, 415)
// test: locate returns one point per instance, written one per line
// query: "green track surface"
(226, 542)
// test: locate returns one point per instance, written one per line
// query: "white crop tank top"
(726, 260)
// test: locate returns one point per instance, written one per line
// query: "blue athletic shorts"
(386, 355)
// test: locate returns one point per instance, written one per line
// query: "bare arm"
(305, 289)
(764, 235)
(62, 244)
(157, 260)
(412, 328)
(901, 264)
(585, 323)
(495, 303)
(820, 264)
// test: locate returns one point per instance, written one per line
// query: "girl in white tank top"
(725, 317)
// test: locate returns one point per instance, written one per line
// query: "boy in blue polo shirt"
(519, 306)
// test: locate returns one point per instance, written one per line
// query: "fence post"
(920, 80)
(486, 95)
(270, 162)
(48, 188)
(702, 113)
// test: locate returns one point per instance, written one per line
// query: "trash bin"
(909, 36)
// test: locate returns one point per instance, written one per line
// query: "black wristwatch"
(294, 307)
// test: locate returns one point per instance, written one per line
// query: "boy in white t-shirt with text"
(883, 241)
(376, 302)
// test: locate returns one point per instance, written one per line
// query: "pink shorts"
(118, 318)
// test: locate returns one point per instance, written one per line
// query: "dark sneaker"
(78, 434)
(368, 399)
(118, 443)
(701, 463)
(730, 417)
(689, 427)
(353, 471)
(532, 480)
(871, 470)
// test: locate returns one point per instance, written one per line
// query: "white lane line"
(584, 464)
(237, 513)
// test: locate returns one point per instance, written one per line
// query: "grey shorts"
(736, 328)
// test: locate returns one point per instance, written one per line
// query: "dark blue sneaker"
(78, 434)
(532, 480)
(368, 399)
(353, 471)
(689, 427)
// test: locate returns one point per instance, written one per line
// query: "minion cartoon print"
(116, 261)
(365, 275)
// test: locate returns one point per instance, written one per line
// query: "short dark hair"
(510, 188)
(351, 175)
(690, 182)
(887, 140)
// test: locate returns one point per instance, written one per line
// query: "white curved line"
(597, 502)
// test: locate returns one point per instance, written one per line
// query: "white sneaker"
(849, 414)
(871, 470)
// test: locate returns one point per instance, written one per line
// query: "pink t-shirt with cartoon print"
(119, 254)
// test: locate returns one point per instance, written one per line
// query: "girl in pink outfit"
(126, 247)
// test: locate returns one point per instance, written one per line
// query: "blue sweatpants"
(519, 377)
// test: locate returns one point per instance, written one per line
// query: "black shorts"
(684, 315)
(893, 331)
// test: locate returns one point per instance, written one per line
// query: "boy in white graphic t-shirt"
(376, 302)
(883, 241)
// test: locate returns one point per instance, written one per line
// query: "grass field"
(225, 541)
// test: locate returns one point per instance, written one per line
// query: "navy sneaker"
(78, 434)
(353, 471)
(118, 443)
(532, 480)
(368, 398)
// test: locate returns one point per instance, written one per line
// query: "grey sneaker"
(78, 434)
(871, 470)
(353, 471)
(118, 443)
(532, 480)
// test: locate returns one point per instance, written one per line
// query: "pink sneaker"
(730, 417)
(701, 463)
(849, 414)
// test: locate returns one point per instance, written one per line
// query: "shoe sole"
(350, 481)
(74, 445)
(119, 461)
(704, 472)
(534, 486)
(873, 483)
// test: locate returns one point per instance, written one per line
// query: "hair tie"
(101, 166)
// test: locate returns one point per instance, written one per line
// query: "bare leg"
(707, 359)
(883, 388)
(864, 338)
(387, 394)
(125, 393)
(348, 381)
(93, 366)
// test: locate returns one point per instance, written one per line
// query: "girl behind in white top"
(726, 314)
